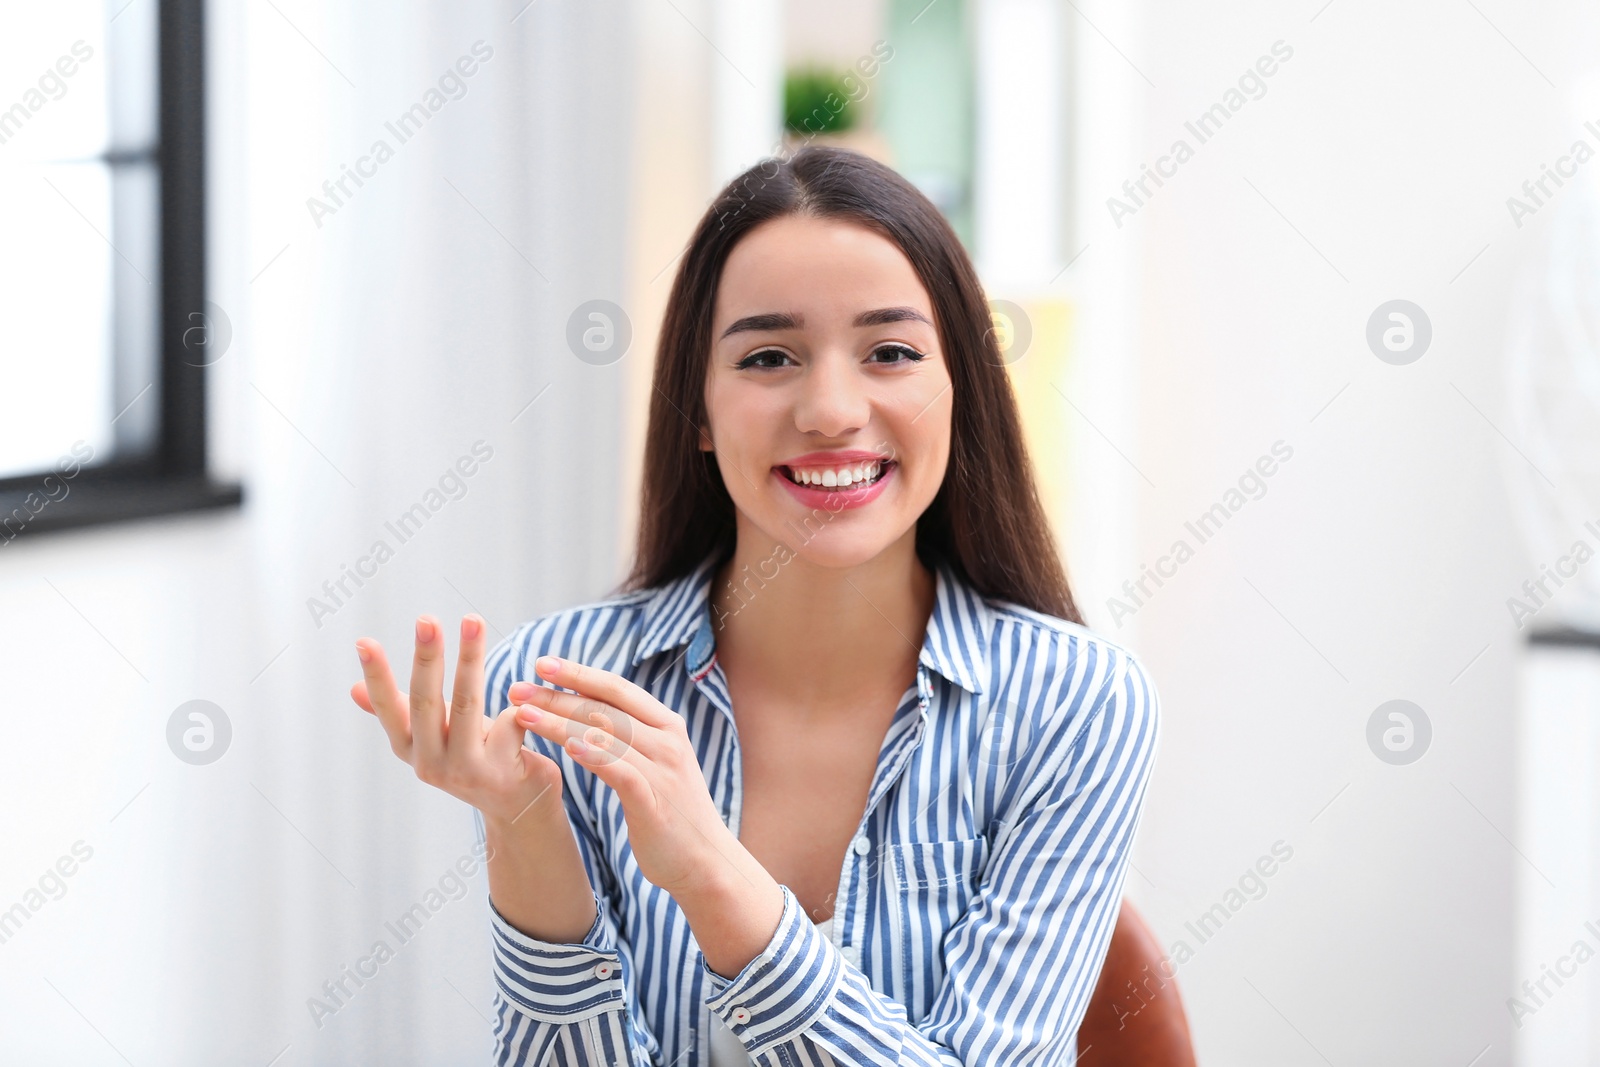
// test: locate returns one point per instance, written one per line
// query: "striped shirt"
(976, 899)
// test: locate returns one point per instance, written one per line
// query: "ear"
(705, 440)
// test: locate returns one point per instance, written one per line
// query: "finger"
(358, 693)
(388, 703)
(611, 688)
(505, 744)
(506, 735)
(520, 691)
(609, 748)
(628, 778)
(467, 698)
(508, 740)
(427, 692)
(584, 712)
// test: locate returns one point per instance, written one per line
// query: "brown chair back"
(1135, 1016)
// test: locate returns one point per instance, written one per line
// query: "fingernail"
(548, 665)
(577, 747)
(529, 714)
(364, 653)
(424, 631)
(470, 628)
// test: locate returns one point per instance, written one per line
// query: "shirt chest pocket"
(930, 885)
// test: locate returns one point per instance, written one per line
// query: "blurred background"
(1300, 304)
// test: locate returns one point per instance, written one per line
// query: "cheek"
(745, 422)
(927, 441)
(735, 416)
(934, 459)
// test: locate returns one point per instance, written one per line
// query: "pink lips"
(837, 499)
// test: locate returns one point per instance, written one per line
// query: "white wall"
(366, 359)
(1377, 564)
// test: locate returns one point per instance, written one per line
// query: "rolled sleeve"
(557, 982)
(783, 989)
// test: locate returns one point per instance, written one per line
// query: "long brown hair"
(986, 521)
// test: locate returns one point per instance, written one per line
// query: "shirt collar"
(956, 644)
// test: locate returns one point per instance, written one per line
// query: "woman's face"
(828, 395)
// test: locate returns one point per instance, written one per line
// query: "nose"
(833, 400)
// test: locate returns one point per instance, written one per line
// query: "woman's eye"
(911, 355)
(763, 358)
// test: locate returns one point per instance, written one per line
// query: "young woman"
(838, 777)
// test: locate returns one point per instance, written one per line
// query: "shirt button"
(741, 1015)
(603, 970)
(862, 846)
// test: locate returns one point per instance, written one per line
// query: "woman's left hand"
(640, 748)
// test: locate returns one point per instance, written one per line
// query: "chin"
(836, 548)
(842, 557)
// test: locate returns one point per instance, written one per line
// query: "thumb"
(537, 767)
(504, 741)
(504, 735)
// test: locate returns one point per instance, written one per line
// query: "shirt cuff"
(559, 982)
(783, 989)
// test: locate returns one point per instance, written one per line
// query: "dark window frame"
(173, 478)
(1566, 637)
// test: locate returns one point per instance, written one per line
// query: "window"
(105, 331)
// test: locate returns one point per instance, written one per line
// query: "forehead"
(825, 269)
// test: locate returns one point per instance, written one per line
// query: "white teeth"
(841, 477)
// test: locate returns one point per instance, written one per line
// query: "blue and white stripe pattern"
(975, 903)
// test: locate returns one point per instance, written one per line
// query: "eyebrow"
(770, 320)
(784, 320)
(883, 316)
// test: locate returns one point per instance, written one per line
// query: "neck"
(821, 636)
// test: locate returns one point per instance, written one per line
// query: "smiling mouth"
(839, 479)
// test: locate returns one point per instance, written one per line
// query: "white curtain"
(375, 347)
(420, 329)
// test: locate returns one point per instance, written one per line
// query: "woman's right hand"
(537, 880)
(462, 751)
